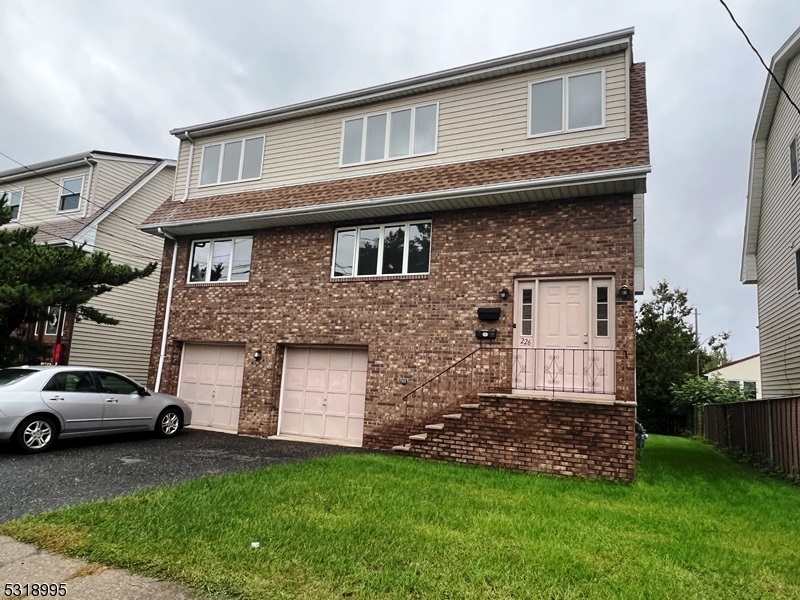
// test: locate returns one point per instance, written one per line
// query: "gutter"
(483, 190)
(163, 353)
(30, 173)
(188, 168)
(86, 196)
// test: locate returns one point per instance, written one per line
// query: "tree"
(666, 352)
(35, 276)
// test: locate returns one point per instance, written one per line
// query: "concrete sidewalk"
(26, 564)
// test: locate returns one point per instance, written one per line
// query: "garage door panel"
(313, 424)
(292, 423)
(316, 379)
(358, 381)
(211, 383)
(338, 404)
(356, 405)
(339, 381)
(327, 386)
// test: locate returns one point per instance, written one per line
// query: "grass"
(695, 525)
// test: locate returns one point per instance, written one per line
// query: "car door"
(73, 395)
(124, 407)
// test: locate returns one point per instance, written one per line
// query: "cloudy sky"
(78, 75)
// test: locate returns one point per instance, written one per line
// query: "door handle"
(111, 400)
(57, 398)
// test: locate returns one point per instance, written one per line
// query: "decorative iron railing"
(494, 368)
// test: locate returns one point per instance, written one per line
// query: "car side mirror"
(142, 392)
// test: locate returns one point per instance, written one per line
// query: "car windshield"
(9, 376)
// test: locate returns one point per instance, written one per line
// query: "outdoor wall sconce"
(503, 294)
(486, 334)
(257, 354)
(624, 292)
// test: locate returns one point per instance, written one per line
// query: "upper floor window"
(238, 160)
(396, 249)
(793, 158)
(14, 202)
(393, 134)
(223, 259)
(568, 103)
(71, 190)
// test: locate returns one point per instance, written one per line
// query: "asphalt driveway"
(105, 467)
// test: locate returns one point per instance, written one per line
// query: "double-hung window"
(237, 160)
(395, 249)
(793, 159)
(14, 202)
(568, 103)
(396, 133)
(70, 197)
(222, 260)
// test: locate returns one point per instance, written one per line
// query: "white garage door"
(323, 394)
(211, 383)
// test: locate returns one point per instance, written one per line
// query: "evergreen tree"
(35, 276)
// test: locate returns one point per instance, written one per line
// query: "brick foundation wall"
(412, 327)
(543, 435)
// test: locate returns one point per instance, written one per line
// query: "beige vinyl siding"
(111, 177)
(126, 347)
(476, 120)
(40, 197)
(778, 237)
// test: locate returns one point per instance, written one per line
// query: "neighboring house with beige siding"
(97, 199)
(353, 268)
(744, 374)
(771, 254)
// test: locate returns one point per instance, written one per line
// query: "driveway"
(105, 467)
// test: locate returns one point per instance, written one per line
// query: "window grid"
(387, 138)
(14, 203)
(69, 192)
(565, 103)
(353, 265)
(201, 272)
(221, 161)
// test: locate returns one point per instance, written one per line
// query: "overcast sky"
(78, 75)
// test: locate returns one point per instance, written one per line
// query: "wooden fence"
(765, 429)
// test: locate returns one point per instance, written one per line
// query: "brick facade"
(544, 435)
(413, 327)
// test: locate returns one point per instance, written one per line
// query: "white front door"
(324, 391)
(562, 337)
(211, 383)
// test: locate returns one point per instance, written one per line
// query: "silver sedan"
(40, 404)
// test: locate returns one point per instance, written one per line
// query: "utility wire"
(775, 79)
(46, 178)
(28, 196)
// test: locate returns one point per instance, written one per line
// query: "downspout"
(188, 167)
(86, 193)
(163, 354)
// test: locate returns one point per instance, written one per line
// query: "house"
(97, 198)
(744, 374)
(771, 253)
(466, 243)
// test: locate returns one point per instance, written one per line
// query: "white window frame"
(793, 153)
(223, 143)
(61, 193)
(565, 103)
(363, 118)
(405, 224)
(21, 192)
(46, 323)
(207, 279)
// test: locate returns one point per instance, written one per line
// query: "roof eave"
(497, 194)
(486, 69)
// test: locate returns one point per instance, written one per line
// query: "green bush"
(696, 391)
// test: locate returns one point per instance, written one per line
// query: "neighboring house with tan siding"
(97, 198)
(744, 374)
(358, 269)
(771, 254)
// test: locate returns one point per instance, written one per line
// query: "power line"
(775, 79)
(43, 203)
(81, 196)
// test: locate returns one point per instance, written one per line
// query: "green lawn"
(695, 525)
